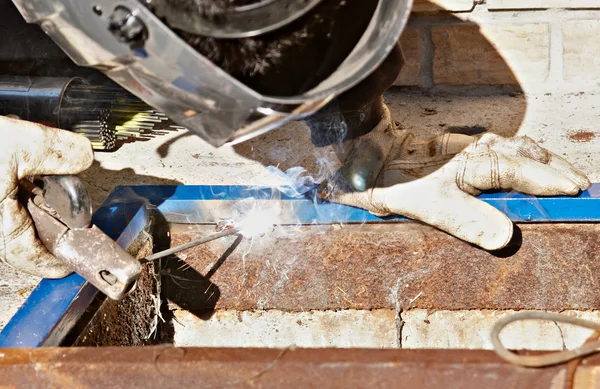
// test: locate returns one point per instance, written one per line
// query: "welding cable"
(193, 243)
(546, 359)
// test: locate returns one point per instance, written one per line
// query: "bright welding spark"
(259, 221)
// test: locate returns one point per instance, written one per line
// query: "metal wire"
(193, 243)
(106, 115)
(545, 359)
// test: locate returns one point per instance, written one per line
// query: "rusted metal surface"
(373, 266)
(168, 367)
(587, 373)
(133, 321)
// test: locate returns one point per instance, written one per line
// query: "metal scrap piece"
(307, 268)
(168, 367)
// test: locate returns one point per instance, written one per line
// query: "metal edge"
(182, 202)
(291, 367)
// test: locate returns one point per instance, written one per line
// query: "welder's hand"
(30, 149)
(388, 172)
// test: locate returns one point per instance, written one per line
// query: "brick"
(442, 5)
(346, 329)
(413, 55)
(491, 55)
(541, 4)
(472, 329)
(581, 49)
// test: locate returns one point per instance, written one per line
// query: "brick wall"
(539, 45)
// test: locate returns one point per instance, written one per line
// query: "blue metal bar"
(55, 305)
(309, 209)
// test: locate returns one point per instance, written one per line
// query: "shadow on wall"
(101, 181)
(454, 80)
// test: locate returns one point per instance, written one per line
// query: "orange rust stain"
(582, 136)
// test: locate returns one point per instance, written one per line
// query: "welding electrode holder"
(62, 214)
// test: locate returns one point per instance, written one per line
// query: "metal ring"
(239, 22)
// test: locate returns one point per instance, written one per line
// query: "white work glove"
(30, 149)
(389, 171)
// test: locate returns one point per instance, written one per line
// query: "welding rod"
(193, 243)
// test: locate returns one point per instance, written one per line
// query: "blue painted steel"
(37, 317)
(55, 305)
(518, 207)
(523, 208)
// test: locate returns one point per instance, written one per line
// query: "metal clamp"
(62, 215)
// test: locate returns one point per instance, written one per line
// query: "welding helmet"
(133, 46)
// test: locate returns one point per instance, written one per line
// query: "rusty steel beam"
(369, 266)
(169, 367)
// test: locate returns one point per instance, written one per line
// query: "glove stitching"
(445, 141)
(12, 193)
(431, 162)
(532, 155)
(19, 231)
(480, 153)
(460, 174)
(495, 170)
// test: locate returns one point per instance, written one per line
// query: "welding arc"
(188, 245)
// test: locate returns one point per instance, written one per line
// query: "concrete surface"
(471, 330)
(347, 329)
(374, 329)
(566, 124)
(15, 287)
